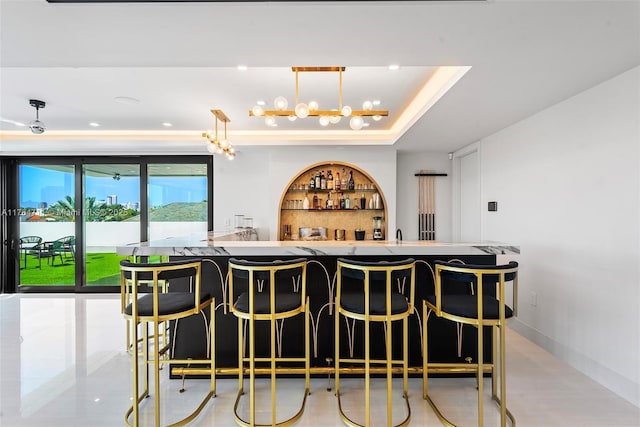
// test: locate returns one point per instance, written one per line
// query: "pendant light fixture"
(325, 117)
(216, 145)
(36, 125)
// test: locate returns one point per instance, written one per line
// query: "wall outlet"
(533, 299)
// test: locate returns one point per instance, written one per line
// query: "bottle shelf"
(357, 190)
(329, 210)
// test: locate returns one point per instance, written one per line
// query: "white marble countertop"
(212, 244)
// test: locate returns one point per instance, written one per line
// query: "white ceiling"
(180, 59)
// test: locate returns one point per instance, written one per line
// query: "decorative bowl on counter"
(312, 233)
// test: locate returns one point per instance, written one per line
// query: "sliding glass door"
(178, 200)
(47, 214)
(74, 212)
(111, 218)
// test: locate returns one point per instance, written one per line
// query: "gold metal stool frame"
(367, 268)
(253, 269)
(134, 275)
(498, 275)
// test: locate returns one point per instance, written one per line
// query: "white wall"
(407, 193)
(568, 188)
(253, 183)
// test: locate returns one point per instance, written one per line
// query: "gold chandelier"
(326, 117)
(216, 145)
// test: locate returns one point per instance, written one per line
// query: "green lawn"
(101, 269)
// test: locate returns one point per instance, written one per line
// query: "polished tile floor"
(63, 363)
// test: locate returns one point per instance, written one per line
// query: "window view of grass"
(105, 270)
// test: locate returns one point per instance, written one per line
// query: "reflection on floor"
(63, 363)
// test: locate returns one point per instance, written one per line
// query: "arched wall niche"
(293, 215)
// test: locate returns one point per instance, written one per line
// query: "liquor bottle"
(312, 182)
(337, 182)
(343, 184)
(363, 202)
(323, 181)
(342, 202)
(347, 202)
(352, 184)
(329, 180)
(315, 201)
(305, 203)
(329, 201)
(317, 187)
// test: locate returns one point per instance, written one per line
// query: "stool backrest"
(133, 275)
(378, 277)
(479, 276)
(280, 276)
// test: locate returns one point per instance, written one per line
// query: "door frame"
(457, 182)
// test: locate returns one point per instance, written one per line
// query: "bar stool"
(375, 292)
(274, 292)
(481, 308)
(155, 308)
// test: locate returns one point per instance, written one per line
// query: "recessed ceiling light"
(127, 100)
(167, 124)
(365, 124)
(394, 67)
(260, 102)
(376, 102)
(94, 124)
(242, 67)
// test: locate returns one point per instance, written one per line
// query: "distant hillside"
(181, 211)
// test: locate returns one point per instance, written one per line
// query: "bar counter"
(232, 244)
(448, 342)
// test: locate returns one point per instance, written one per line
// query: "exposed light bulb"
(377, 118)
(270, 121)
(231, 156)
(346, 111)
(334, 119)
(302, 110)
(280, 103)
(367, 105)
(356, 123)
(212, 148)
(324, 120)
(257, 110)
(292, 118)
(224, 143)
(313, 106)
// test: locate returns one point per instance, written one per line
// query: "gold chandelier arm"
(316, 113)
